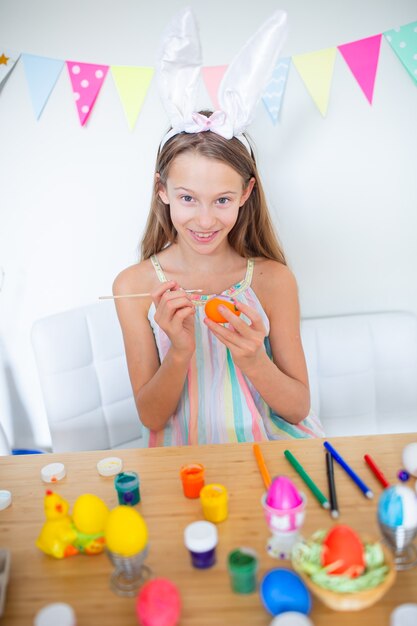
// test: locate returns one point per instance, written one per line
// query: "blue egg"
(397, 506)
(283, 590)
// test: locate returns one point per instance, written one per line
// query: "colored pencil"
(262, 465)
(375, 469)
(141, 295)
(349, 471)
(334, 511)
(306, 478)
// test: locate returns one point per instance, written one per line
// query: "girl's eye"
(223, 200)
(186, 198)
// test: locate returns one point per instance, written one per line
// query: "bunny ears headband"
(178, 72)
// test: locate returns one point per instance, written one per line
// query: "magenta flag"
(362, 58)
(86, 80)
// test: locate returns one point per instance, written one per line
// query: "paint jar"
(201, 540)
(243, 566)
(214, 502)
(127, 487)
(192, 477)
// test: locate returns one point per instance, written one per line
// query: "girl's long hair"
(253, 235)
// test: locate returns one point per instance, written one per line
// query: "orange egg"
(212, 311)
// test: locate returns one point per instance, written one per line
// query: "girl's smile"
(203, 238)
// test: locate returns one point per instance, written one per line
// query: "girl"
(196, 381)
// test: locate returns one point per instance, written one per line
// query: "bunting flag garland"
(362, 58)
(87, 80)
(212, 76)
(132, 85)
(403, 41)
(41, 75)
(316, 70)
(8, 59)
(274, 92)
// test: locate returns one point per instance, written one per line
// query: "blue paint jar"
(127, 487)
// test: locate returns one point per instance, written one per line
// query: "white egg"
(410, 458)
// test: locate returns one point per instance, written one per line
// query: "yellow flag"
(132, 84)
(316, 70)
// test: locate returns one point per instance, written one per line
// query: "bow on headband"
(178, 72)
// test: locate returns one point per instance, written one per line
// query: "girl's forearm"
(158, 399)
(287, 397)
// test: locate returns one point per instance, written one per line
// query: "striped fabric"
(219, 404)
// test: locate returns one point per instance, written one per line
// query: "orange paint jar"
(192, 477)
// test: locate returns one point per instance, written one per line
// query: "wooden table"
(83, 581)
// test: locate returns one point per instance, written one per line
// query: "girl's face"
(205, 196)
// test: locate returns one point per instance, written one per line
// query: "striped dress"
(218, 403)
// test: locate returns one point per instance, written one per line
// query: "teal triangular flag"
(403, 40)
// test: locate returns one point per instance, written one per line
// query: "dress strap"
(158, 269)
(249, 273)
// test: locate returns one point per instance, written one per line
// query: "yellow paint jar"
(214, 499)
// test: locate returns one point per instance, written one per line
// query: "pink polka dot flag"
(86, 80)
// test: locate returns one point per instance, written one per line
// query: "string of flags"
(132, 83)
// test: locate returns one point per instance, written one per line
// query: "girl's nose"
(206, 218)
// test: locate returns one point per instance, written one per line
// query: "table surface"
(83, 581)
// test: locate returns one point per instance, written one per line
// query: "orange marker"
(261, 465)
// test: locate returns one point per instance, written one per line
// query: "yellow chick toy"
(57, 534)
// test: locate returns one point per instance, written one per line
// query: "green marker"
(308, 481)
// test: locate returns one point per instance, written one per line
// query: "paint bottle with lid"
(201, 540)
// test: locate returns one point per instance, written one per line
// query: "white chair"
(84, 380)
(363, 372)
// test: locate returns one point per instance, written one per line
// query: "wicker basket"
(353, 601)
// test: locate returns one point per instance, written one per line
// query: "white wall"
(73, 201)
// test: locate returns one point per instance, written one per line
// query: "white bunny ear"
(249, 72)
(178, 68)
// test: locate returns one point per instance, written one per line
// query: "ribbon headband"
(216, 123)
(178, 72)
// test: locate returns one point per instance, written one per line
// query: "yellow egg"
(126, 531)
(90, 514)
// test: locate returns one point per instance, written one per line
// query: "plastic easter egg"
(343, 545)
(126, 532)
(158, 603)
(212, 312)
(410, 458)
(283, 494)
(283, 590)
(89, 514)
(397, 506)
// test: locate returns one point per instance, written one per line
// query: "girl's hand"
(245, 341)
(175, 315)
